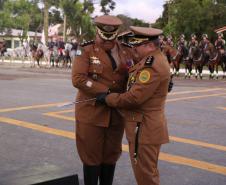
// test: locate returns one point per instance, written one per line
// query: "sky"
(147, 10)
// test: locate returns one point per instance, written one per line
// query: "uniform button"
(113, 82)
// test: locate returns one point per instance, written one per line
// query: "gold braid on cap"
(137, 41)
(104, 35)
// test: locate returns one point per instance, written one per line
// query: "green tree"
(128, 21)
(163, 20)
(55, 17)
(21, 14)
(79, 17)
(1, 4)
(192, 16)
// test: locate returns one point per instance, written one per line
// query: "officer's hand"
(100, 99)
(170, 87)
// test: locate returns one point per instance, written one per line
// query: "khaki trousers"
(145, 167)
(99, 145)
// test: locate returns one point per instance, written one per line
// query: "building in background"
(13, 37)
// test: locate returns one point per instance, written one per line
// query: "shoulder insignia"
(127, 45)
(86, 43)
(144, 76)
(149, 61)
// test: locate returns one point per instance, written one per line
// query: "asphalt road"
(37, 137)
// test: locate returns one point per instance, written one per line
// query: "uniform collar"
(142, 62)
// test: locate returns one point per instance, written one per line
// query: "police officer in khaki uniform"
(143, 105)
(99, 129)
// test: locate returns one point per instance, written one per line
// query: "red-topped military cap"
(144, 34)
(107, 26)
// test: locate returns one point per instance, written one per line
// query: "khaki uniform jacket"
(92, 73)
(145, 100)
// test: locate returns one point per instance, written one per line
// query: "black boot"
(107, 174)
(91, 174)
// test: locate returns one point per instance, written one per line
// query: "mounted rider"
(182, 47)
(204, 43)
(193, 42)
(162, 41)
(61, 46)
(220, 43)
(182, 42)
(169, 41)
(206, 46)
(3, 47)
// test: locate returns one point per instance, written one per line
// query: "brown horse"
(67, 58)
(214, 61)
(2, 48)
(223, 64)
(174, 57)
(188, 62)
(199, 60)
(36, 54)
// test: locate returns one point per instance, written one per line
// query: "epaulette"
(86, 43)
(149, 61)
(126, 44)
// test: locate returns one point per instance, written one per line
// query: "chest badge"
(95, 60)
(144, 76)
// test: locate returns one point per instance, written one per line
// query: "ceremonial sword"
(76, 102)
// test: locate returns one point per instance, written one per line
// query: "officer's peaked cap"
(144, 34)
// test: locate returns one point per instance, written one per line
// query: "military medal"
(95, 60)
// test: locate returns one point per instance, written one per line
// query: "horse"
(67, 55)
(67, 59)
(2, 49)
(199, 61)
(174, 57)
(223, 64)
(215, 60)
(186, 60)
(36, 53)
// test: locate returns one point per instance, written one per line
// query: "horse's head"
(165, 49)
(66, 52)
(183, 51)
(40, 53)
(193, 51)
(196, 53)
